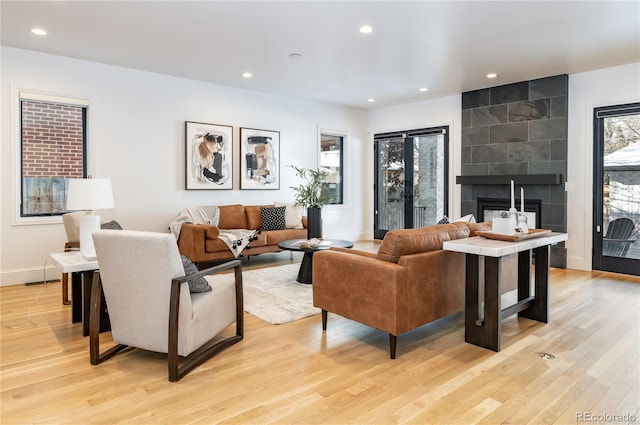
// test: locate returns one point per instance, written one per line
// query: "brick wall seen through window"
(52, 151)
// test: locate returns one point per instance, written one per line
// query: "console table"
(483, 311)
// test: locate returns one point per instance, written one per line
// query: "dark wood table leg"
(482, 322)
(305, 274)
(539, 309)
(524, 275)
(491, 328)
(76, 297)
(86, 301)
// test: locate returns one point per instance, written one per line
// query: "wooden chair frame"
(207, 350)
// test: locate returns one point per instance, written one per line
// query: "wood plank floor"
(296, 374)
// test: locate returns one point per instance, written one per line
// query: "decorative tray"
(533, 233)
(313, 243)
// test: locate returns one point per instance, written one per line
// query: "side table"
(82, 271)
(306, 267)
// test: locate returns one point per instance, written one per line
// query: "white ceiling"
(447, 46)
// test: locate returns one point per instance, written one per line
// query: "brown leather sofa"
(410, 282)
(200, 242)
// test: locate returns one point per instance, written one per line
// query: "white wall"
(589, 90)
(136, 137)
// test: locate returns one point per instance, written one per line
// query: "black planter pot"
(314, 222)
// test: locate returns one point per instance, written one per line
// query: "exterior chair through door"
(617, 240)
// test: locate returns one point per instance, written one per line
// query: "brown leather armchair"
(411, 281)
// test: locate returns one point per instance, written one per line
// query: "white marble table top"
(496, 248)
(73, 261)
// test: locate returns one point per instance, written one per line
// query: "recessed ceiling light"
(366, 29)
(424, 89)
(247, 74)
(371, 100)
(38, 31)
(295, 55)
(492, 75)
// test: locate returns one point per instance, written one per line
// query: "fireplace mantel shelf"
(519, 179)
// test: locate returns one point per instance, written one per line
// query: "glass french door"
(616, 245)
(411, 185)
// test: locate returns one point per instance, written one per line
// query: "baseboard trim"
(28, 275)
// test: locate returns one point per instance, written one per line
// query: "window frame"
(18, 95)
(344, 135)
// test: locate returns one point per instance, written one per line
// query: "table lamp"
(89, 194)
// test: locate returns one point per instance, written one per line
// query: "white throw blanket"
(195, 215)
(236, 239)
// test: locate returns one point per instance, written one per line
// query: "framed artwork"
(209, 156)
(259, 159)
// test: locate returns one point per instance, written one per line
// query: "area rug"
(273, 295)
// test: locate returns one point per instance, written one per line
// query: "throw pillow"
(273, 218)
(111, 225)
(196, 284)
(444, 220)
(292, 216)
(469, 218)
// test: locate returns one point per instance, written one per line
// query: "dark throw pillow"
(112, 225)
(444, 220)
(196, 284)
(273, 218)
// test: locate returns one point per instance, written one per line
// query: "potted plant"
(313, 195)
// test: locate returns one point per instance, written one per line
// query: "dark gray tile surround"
(518, 128)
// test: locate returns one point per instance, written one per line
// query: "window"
(53, 141)
(332, 161)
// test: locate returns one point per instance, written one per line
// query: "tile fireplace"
(517, 132)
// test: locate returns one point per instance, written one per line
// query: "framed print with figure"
(259, 159)
(209, 156)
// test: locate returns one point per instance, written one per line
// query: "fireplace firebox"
(489, 208)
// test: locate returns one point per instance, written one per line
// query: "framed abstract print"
(209, 156)
(259, 159)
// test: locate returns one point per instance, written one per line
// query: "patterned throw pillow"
(273, 218)
(196, 284)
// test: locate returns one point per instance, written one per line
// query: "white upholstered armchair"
(72, 229)
(150, 305)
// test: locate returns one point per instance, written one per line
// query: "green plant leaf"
(312, 192)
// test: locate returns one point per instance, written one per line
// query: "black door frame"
(407, 136)
(599, 261)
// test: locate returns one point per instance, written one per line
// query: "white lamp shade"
(89, 194)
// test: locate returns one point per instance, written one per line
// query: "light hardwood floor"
(296, 374)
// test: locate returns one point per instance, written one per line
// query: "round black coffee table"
(306, 268)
